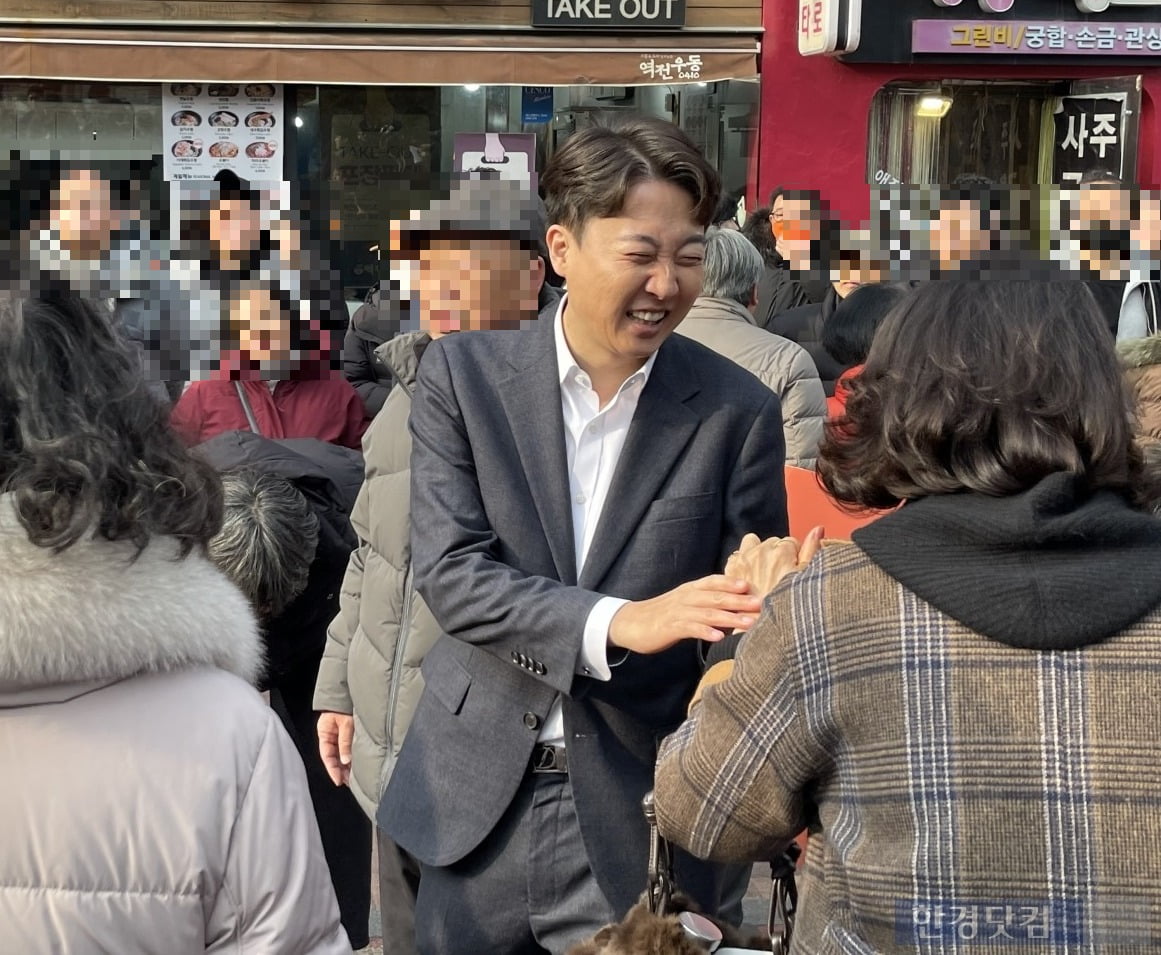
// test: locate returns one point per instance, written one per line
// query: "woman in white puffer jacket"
(152, 802)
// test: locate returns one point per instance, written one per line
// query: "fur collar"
(89, 615)
(1140, 352)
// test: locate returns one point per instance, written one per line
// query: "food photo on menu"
(259, 90)
(260, 119)
(185, 89)
(222, 90)
(187, 148)
(261, 150)
(223, 150)
(186, 117)
(223, 119)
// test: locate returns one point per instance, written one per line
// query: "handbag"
(665, 922)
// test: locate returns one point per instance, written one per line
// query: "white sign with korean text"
(208, 127)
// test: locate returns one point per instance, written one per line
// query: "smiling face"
(631, 278)
(262, 328)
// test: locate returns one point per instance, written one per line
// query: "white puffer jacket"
(151, 801)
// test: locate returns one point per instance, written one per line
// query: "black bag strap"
(660, 872)
(250, 419)
(783, 900)
(662, 886)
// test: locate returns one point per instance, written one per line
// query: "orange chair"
(809, 506)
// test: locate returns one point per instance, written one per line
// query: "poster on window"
(208, 127)
(1089, 134)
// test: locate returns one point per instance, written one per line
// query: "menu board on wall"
(208, 127)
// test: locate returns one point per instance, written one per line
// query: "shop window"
(366, 155)
(1012, 133)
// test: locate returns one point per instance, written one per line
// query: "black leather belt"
(549, 759)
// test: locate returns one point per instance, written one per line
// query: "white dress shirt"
(593, 437)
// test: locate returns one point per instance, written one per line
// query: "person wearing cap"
(477, 267)
(576, 488)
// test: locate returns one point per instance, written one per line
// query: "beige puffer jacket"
(152, 803)
(1142, 361)
(781, 365)
(375, 646)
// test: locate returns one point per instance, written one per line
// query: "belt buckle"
(549, 759)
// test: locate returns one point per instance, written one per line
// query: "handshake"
(763, 563)
(708, 608)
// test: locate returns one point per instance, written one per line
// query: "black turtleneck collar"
(1049, 569)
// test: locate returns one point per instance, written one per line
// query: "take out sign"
(627, 14)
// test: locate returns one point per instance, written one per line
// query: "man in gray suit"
(576, 486)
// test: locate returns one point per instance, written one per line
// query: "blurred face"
(799, 226)
(631, 277)
(1103, 205)
(473, 284)
(262, 328)
(82, 213)
(956, 235)
(235, 227)
(1147, 228)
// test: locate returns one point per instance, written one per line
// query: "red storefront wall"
(815, 112)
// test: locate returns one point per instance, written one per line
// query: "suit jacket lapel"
(662, 426)
(531, 400)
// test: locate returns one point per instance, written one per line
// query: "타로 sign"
(1061, 38)
(627, 14)
(1089, 134)
(828, 26)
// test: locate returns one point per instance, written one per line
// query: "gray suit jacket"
(493, 557)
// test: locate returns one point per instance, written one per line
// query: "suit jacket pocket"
(685, 508)
(447, 680)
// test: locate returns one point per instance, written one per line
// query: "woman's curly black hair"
(85, 448)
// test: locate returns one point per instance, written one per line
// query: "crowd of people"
(523, 557)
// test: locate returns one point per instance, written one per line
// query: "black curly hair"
(85, 448)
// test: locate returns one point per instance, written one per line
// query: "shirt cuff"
(594, 660)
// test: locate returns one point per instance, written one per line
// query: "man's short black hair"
(1101, 176)
(848, 333)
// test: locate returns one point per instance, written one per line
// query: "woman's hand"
(763, 563)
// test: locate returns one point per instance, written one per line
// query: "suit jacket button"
(540, 669)
(532, 721)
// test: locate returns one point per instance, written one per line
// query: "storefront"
(368, 102)
(1024, 92)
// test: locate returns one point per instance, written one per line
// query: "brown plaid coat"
(963, 795)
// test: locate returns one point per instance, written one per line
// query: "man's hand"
(336, 731)
(700, 610)
(765, 563)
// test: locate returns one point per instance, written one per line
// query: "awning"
(382, 58)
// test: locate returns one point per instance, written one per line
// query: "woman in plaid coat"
(963, 704)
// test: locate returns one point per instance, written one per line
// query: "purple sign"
(1051, 38)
